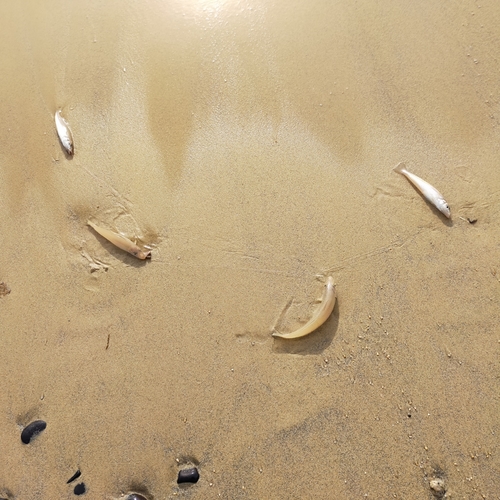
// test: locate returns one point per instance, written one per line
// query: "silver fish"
(429, 192)
(64, 132)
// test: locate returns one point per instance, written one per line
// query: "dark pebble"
(79, 489)
(136, 496)
(76, 475)
(4, 290)
(6, 494)
(188, 476)
(31, 430)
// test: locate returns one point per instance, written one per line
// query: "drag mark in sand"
(372, 253)
(320, 315)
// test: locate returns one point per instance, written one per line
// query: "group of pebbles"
(190, 475)
(32, 430)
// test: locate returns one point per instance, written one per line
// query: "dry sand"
(251, 143)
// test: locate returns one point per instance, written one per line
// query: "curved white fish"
(429, 192)
(320, 315)
(64, 132)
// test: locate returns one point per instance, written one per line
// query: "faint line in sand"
(372, 253)
(338, 267)
(126, 202)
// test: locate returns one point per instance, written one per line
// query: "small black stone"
(31, 430)
(136, 496)
(188, 476)
(6, 494)
(79, 489)
(76, 475)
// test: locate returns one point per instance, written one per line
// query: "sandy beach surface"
(251, 145)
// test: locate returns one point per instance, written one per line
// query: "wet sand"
(251, 145)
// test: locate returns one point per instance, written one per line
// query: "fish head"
(329, 282)
(141, 255)
(443, 207)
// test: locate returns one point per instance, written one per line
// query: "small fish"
(429, 192)
(64, 132)
(320, 315)
(121, 242)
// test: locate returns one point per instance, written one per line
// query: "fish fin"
(401, 166)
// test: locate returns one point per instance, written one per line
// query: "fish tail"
(399, 169)
(275, 333)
